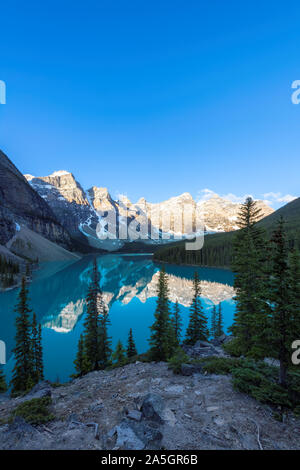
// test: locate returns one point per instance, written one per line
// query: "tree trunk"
(283, 374)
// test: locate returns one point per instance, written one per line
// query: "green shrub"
(179, 357)
(35, 411)
(260, 385)
(233, 348)
(219, 365)
(244, 379)
(272, 394)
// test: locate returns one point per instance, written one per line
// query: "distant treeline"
(213, 253)
(8, 270)
(218, 248)
(217, 251)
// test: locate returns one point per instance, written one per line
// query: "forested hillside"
(217, 250)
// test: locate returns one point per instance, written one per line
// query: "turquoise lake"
(57, 295)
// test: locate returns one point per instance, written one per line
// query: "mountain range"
(217, 249)
(53, 217)
(82, 212)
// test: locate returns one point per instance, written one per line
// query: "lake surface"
(57, 295)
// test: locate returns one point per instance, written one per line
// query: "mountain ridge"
(82, 211)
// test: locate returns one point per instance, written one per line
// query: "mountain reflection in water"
(129, 282)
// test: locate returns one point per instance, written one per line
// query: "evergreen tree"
(94, 345)
(295, 292)
(22, 379)
(280, 299)
(177, 323)
(131, 349)
(213, 328)
(197, 328)
(104, 341)
(80, 361)
(119, 355)
(3, 386)
(34, 349)
(162, 340)
(91, 323)
(219, 322)
(250, 264)
(39, 355)
(28, 270)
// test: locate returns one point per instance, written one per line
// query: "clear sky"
(154, 98)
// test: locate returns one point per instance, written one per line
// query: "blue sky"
(154, 98)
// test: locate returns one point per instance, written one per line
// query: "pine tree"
(177, 323)
(23, 370)
(162, 340)
(3, 386)
(34, 349)
(80, 361)
(39, 355)
(119, 354)
(280, 299)
(213, 328)
(295, 292)
(28, 270)
(250, 263)
(104, 341)
(131, 348)
(219, 322)
(197, 328)
(91, 323)
(94, 345)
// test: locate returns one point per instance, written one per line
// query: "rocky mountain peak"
(100, 198)
(60, 173)
(182, 198)
(62, 181)
(124, 200)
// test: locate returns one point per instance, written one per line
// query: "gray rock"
(20, 427)
(272, 362)
(148, 432)
(202, 344)
(219, 340)
(135, 415)
(152, 407)
(40, 390)
(127, 439)
(96, 407)
(190, 369)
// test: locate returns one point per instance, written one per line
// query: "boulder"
(133, 435)
(201, 344)
(40, 390)
(152, 407)
(20, 427)
(135, 415)
(219, 340)
(190, 369)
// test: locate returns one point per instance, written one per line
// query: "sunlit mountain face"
(129, 285)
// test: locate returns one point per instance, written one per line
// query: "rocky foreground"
(146, 406)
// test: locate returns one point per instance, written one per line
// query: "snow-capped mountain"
(221, 215)
(85, 214)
